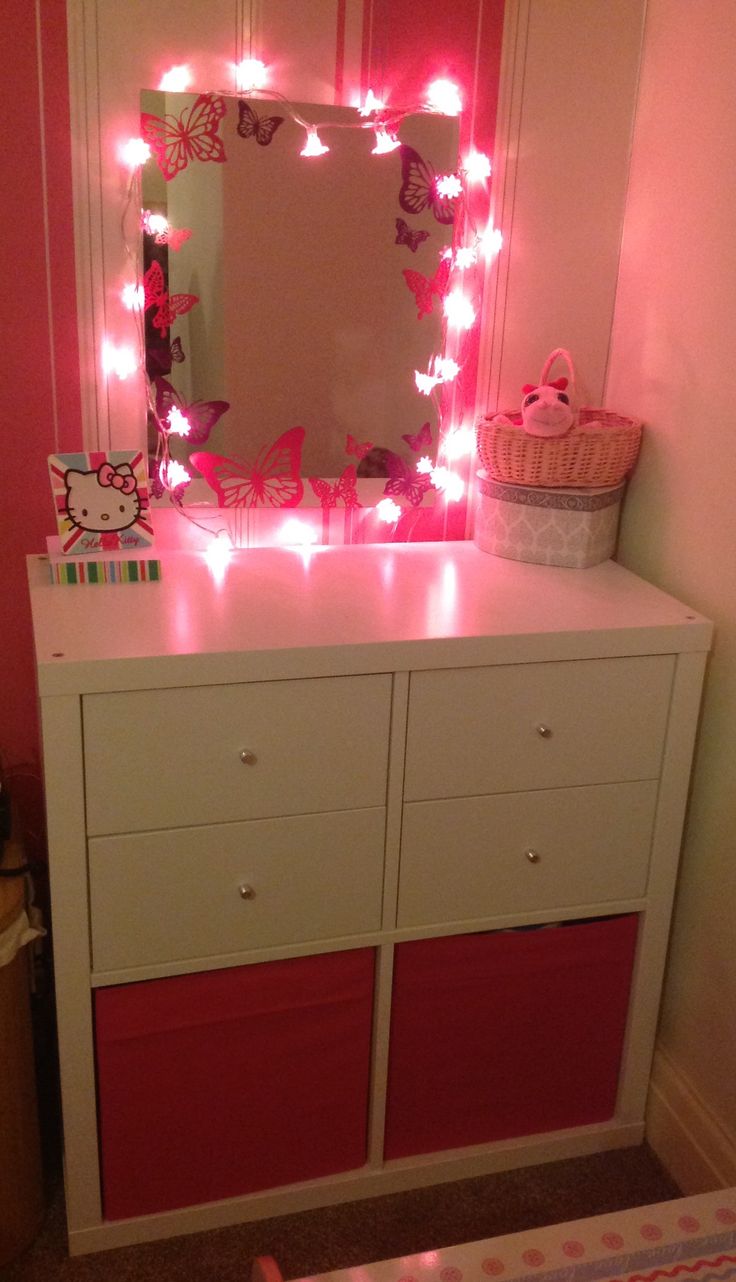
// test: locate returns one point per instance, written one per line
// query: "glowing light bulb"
(250, 74)
(449, 185)
(217, 554)
(459, 443)
(446, 368)
(371, 104)
(477, 166)
(459, 310)
(388, 511)
(178, 423)
(448, 483)
(172, 474)
(176, 79)
(118, 360)
(295, 532)
(385, 142)
(154, 224)
(313, 146)
(491, 241)
(425, 465)
(134, 153)
(444, 96)
(465, 256)
(132, 296)
(425, 383)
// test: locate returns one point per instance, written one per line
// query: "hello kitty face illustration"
(103, 500)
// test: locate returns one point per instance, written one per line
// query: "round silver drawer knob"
(247, 892)
(533, 856)
(544, 732)
(247, 757)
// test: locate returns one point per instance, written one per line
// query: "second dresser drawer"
(199, 892)
(470, 858)
(211, 754)
(536, 725)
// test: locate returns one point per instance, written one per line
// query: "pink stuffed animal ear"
(529, 387)
(559, 383)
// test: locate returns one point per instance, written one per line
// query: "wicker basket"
(600, 449)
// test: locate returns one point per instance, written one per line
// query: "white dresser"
(362, 865)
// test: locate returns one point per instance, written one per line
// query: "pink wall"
(40, 360)
(41, 403)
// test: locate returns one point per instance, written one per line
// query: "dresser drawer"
(198, 892)
(467, 858)
(170, 758)
(540, 725)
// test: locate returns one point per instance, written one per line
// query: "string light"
(296, 533)
(449, 185)
(118, 360)
(388, 511)
(177, 422)
(371, 104)
(448, 483)
(459, 310)
(477, 167)
(154, 224)
(172, 474)
(425, 383)
(250, 74)
(385, 142)
(459, 442)
(447, 368)
(443, 96)
(176, 79)
(135, 152)
(465, 257)
(132, 297)
(491, 241)
(313, 146)
(425, 465)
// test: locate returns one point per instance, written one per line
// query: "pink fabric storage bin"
(506, 1033)
(217, 1084)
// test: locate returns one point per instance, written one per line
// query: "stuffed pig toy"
(545, 410)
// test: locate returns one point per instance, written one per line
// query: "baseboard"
(682, 1131)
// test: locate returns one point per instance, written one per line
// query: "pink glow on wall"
(40, 353)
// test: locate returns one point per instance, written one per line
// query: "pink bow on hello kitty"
(109, 475)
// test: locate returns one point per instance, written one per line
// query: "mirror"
(317, 280)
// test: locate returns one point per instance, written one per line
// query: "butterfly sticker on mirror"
(193, 135)
(426, 289)
(343, 491)
(405, 235)
(169, 305)
(273, 479)
(421, 440)
(419, 188)
(251, 125)
(200, 415)
(358, 448)
(404, 480)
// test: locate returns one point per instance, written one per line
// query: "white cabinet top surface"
(274, 613)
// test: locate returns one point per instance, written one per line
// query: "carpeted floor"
(356, 1233)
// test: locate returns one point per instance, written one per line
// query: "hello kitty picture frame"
(101, 501)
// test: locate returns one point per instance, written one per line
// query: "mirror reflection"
(289, 291)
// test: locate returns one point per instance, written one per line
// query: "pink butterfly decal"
(250, 125)
(175, 237)
(272, 480)
(169, 305)
(176, 351)
(200, 415)
(419, 188)
(404, 481)
(192, 135)
(358, 448)
(424, 289)
(422, 440)
(344, 490)
(406, 236)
